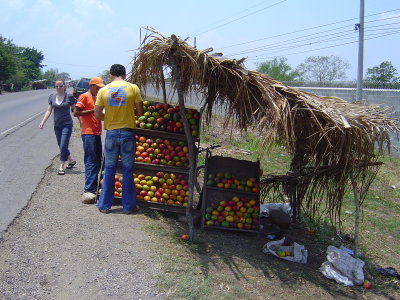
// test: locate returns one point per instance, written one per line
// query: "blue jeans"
(92, 159)
(118, 142)
(63, 134)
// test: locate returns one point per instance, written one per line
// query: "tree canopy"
(384, 73)
(8, 64)
(105, 75)
(19, 65)
(278, 68)
(323, 68)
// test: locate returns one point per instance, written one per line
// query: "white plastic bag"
(342, 267)
(299, 252)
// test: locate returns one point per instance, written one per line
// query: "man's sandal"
(61, 172)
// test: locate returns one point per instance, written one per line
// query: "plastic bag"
(265, 209)
(277, 214)
(298, 252)
(342, 267)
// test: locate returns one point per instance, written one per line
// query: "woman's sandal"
(61, 172)
(71, 165)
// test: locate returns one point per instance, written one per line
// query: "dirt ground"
(59, 248)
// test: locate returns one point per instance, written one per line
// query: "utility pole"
(360, 27)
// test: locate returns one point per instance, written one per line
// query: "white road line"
(21, 124)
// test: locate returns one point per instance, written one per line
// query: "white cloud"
(90, 7)
(46, 2)
(18, 4)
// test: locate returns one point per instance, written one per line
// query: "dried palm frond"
(316, 131)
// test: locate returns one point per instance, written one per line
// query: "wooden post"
(188, 133)
(298, 163)
(164, 92)
(357, 215)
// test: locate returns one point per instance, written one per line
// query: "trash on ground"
(295, 252)
(342, 267)
(388, 272)
(350, 251)
(275, 235)
(278, 214)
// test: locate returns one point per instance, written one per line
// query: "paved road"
(25, 150)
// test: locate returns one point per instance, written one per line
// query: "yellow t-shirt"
(118, 99)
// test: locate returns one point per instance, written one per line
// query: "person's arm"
(79, 107)
(80, 112)
(98, 112)
(46, 116)
(139, 110)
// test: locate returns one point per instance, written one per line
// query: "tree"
(33, 55)
(323, 68)
(8, 65)
(18, 80)
(105, 76)
(51, 76)
(64, 76)
(278, 68)
(28, 69)
(30, 62)
(19, 65)
(384, 73)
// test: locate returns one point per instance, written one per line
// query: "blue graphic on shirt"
(117, 96)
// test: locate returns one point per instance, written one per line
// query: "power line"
(227, 18)
(295, 41)
(333, 46)
(289, 42)
(329, 40)
(310, 28)
(270, 45)
(257, 11)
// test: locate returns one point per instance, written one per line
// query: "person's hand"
(41, 125)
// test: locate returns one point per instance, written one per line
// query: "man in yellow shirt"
(121, 102)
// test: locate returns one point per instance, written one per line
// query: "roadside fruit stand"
(337, 142)
(161, 158)
(230, 199)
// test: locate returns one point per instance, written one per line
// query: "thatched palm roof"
(317, 131)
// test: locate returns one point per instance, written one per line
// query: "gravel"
(59, 248)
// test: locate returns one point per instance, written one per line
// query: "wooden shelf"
(232, 191)
(231, 229)
(154, 167)
(160, 206)
(163, 134)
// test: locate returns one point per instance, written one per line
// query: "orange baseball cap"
(97, 81)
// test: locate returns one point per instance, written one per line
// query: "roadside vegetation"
(231, 265)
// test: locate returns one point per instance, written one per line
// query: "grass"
(231, 265)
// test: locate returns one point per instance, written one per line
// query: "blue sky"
(84, 37)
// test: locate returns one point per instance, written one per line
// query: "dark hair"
(117, 70)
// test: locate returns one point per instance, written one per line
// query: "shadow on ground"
(238, 256)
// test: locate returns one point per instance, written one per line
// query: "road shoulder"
(59, 248)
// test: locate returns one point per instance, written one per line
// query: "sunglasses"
(59, 86)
